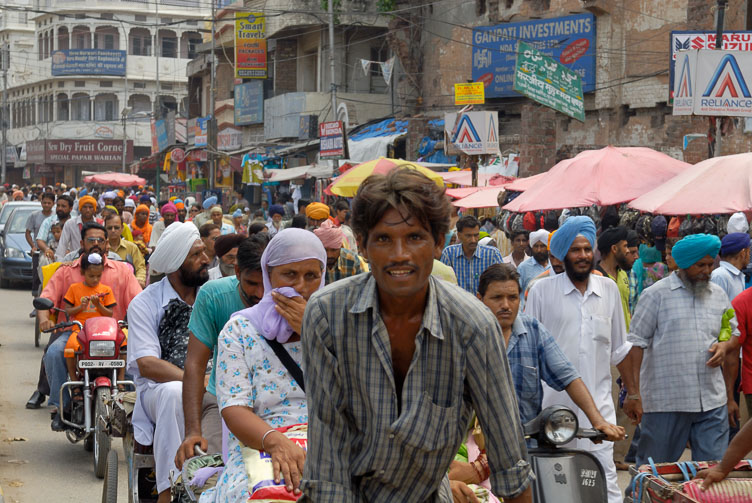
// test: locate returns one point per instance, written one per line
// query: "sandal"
(77, 394)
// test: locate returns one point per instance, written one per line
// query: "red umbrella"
(113, 179)
(486, 197)
(523, 184)
(611, 175)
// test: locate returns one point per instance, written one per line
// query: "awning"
(308, 171)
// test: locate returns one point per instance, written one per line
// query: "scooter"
(97, 362)
(564, 475)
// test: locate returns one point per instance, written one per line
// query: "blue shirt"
(468, 271)
(215, 303)
(534, 356)
(529, 269)
(729, 278)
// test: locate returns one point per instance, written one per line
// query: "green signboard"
(542, 79)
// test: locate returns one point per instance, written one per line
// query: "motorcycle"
(97, 363)
(564, 475)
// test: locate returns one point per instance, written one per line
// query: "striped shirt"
(469, 271)
(361, 446)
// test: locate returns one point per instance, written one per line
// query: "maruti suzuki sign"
(713, 82)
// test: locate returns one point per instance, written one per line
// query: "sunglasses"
(95, 240)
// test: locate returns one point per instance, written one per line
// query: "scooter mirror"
(43, 304)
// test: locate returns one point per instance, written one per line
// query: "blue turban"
(83, 192)
(237, 213)
(209, 202)
(562, 240)
(145, 199)
(276, 209)
(733, 243)
(692, 248)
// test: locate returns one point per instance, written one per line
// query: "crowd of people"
(413, 342)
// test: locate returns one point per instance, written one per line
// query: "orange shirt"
(73, 297)
(145, 230)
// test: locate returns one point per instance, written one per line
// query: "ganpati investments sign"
(79, 152)
(250, 45)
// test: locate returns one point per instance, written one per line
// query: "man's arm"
(139, 266)
(65, 240)
(29, 226)
(492, 392)
(193, 392)
(580, 395)
(730, 372)
(326, 474)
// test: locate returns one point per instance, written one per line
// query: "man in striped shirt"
(468, 258)
(397, 361)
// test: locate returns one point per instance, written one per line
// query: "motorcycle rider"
(158, 340)
(116, 274)
(215, 304)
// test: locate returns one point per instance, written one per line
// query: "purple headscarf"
(287, 246)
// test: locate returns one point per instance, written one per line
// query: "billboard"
(472, 132)
(569, 40)
(332, 145)
(249, 103)
(250, 45)
(88, 62)
(78, 152)
(469, 93)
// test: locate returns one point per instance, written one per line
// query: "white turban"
(483, 241)
(173, 247)
(539, 236)
(737, 223)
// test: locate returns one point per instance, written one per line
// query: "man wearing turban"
(169, 214)
(675, 332)
(734, 258)
(141, 222)
(340, 262)
(205, 216)
(276, 212)
(316, 214)
(70, 238)
(584, 314)
(158, 322)
(538, 263)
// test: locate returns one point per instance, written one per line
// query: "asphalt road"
(43, 466)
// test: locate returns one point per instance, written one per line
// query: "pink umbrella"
(611, 175)
(466, 178)
(461, 192)
(523, 184)
(487, 197)
(716, 185)
(113, 179)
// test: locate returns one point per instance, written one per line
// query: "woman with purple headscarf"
(255, 391)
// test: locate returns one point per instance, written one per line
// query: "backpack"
(672, 231)
(529, 222)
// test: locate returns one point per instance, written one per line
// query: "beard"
(623, 262)
(61, 215)
(697, 287)
(541, 257)
(194, 278)
(577, 275)
(226, 269)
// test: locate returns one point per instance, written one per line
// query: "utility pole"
(719, 45)
(212, 126)
(4, 64)
(157, 101)
(330, 9)
(124, 114)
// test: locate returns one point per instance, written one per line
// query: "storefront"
(52, 161)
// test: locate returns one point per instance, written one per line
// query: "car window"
(8, 209)
(17, 220)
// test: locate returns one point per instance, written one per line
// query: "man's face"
(168, 218)
(181, 214)
(540, 252)
(87, 211)
(47, 204)
(469, 237)
(315, 223)
(216, 217)
(556, 264)
(141, 217)
(700, 271)
(195, 269)
(209, 241)
(120, 206)
(304, 276)
(519, 243)
(621, 254)
(277, 218)
(231, 257)
(114, 228)
(400, 250)
(579, 260)
(95, 241)
(194, 211)
(503, 299)
(252, 283)
(632, 256)
(332, 256)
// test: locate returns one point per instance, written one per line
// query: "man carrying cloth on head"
(340, 262)
(205, 216)
(583, 313)
(675, 330)
(71, 235)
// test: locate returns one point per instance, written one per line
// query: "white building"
(83, 99)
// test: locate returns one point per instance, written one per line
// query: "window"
(140, 42)
(105, 83)
(193, 43)
(168, 45)
(62, 107)
(105, 107)
(106, 15)
(61, 84)
(139, 85)
(80, 109)
(140, 18)
(79, 83)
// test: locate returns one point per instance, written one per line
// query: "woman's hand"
(461, 493)
(287, 459)
(290, 309)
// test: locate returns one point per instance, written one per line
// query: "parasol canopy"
(112, 179)
(347, 184)
(523, 184)
(611, 175)
(486, 197)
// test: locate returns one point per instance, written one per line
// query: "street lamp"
(124, 115)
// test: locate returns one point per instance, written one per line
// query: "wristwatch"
(633, 397)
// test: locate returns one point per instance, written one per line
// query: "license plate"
(98, 364)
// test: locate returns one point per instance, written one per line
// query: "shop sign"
(332, 140)
(250, 45)
(88, 62)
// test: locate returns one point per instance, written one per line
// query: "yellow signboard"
(250, 45)
(472, 93)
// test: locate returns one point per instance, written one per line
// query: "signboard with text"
(569, 40)
(332, 140)
(88, 62)
(250, 45)
(200, 131)
(473, 133)
(472, 93)
(552, 84)
(249, 103)
(78, 152)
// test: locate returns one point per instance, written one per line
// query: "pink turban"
(169, 208)
(330, 236)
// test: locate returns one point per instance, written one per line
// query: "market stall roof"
(466, 178)
(717, 185)
(611, 175)
(308, 171)
(346, 185)
(486, 197)
(113, 179)
(461, 192)
(523, 184)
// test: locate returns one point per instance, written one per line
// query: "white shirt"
(729, 278)
(591, 332)
(70, 237)
(509, 259)
(215, 273)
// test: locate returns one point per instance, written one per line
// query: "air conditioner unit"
(309, 127)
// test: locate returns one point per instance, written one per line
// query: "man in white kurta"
(583, 313)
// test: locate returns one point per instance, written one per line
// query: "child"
(138, 240)
(52, 241)
(88, 299)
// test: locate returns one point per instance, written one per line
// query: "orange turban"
(87, 199)
(317, 211)
(141, 208)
